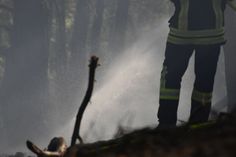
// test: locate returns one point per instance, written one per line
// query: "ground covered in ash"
(212, 139)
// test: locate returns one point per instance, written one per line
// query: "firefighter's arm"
(232, 4)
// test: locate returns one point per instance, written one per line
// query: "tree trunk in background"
(60, 92)
(117, 36)
(79, 58)
(61, 57)
(97, 27)
(24, 87)
(230, 63)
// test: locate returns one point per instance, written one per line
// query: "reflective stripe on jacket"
(198, 21)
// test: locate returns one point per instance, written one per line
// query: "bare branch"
(93, 65)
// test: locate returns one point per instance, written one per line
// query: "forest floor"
(212, 139)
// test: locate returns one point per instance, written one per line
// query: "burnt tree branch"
(92, 67)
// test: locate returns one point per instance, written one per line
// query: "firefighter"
(196, 26)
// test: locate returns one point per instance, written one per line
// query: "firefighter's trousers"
(174, 66)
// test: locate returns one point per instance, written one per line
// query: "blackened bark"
(76, 132)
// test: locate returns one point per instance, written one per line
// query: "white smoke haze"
(128, 91)
(128, 95)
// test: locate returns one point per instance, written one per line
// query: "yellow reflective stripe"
(202, 97)
(163, 75)
(232, 4)
(197, 33)
(105, 147)
(218, 12)
(169, 98)
(183, 15)
(169, 94)
(202, 125)
(202, 41)
(166, 93)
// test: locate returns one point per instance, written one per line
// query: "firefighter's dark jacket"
(198, 21)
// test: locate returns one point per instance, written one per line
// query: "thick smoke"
(126, 91)
(128, 96)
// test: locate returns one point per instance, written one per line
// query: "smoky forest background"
(45, 46)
